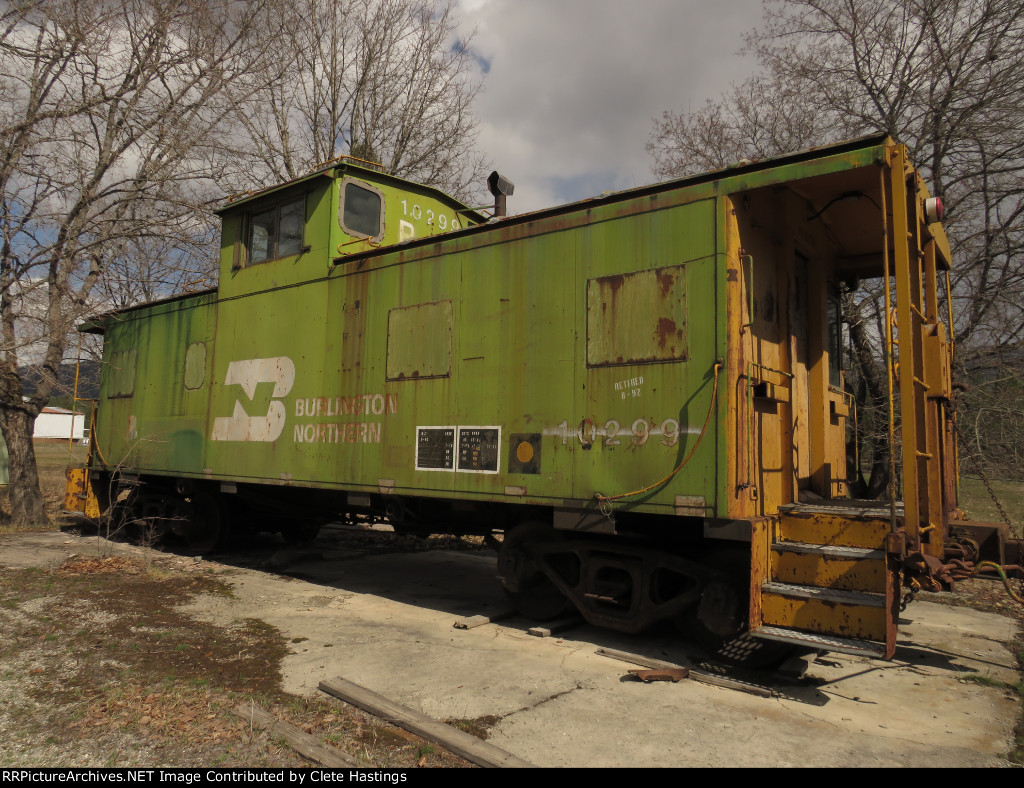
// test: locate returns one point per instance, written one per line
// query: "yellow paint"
(823, 572)
(739, 430)
(811, 615)
(835, 530)
(762, 533)
(79, 495)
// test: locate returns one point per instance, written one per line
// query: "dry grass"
(101, 667)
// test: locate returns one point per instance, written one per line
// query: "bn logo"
(248, 374)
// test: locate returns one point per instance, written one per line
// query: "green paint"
(592, 329)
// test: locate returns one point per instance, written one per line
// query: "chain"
(984, 478)
(995, 499)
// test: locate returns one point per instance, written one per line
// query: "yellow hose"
(1005, 579)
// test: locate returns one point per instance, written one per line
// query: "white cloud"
(572, 85)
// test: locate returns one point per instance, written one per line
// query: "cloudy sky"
(572, 86)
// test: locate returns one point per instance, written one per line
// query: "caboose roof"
(337, 168)
(822, 172)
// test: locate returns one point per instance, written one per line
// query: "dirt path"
(380, 613)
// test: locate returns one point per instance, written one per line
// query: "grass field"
(978, 504)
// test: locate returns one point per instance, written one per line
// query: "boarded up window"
(637, 318)
(195, 365)
(122, 373)
(420, 341)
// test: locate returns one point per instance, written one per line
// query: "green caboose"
(641, 391)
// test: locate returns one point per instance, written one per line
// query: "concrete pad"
(386, 622)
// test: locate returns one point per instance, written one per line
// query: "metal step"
(865, 648)
(830, 551)
(845, 507)
(834, 595)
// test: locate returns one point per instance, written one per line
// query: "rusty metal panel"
(637, 317)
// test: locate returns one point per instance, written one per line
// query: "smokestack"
(501, 187)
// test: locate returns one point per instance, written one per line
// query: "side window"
(361, 211)
(277, 231)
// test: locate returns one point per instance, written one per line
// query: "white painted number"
(640, 432)
(442, 220)
(587, 432)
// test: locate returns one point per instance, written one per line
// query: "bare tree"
(109, 109)
(153, 267)
(946, 78)
(757, 119)
(383, 80)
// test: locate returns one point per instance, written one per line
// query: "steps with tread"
(835, 595)
(830, 551)
(866, 648)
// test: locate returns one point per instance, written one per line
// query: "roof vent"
(501, 187)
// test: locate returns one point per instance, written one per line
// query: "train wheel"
(719, 620)
(203, 526)
(302, 532)
(140, 516)
(530, 590)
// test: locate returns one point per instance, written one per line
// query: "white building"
(58, 423)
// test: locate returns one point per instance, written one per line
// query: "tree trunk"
(27, 509)
(873, 400)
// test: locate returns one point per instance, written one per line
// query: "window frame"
(243, 258)
(343, 188)
(834, 336)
